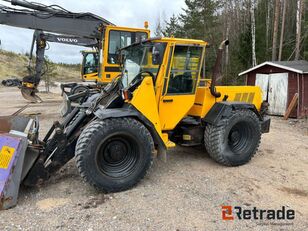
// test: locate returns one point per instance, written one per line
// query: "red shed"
(280, 81)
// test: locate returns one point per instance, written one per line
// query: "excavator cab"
(103, 66)
(89, 68)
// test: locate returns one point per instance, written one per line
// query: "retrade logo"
(237, 212)
(227, 214)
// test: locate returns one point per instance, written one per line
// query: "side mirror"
(157, 54)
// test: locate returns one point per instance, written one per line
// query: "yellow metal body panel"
(192, 42)
(173, 108)
(168, 143)
(205, 101)
(90, 77)
(144, 101)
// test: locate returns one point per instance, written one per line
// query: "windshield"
(138, 59)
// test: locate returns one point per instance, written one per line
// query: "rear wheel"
(235, 141)
(114, 154)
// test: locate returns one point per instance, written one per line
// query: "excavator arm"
(81, 29)
(56, 20)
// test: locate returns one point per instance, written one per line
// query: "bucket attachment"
(15, 161)
(30, 94)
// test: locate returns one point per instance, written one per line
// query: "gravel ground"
(186, 193)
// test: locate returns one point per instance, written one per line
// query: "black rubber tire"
(78, 89)
(236, 140)
(101, 160)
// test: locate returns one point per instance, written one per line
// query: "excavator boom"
(62, 26)
(46, 18)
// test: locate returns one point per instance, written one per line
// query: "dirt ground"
(186, 193)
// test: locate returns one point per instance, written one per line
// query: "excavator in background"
(56, 24)
(30, 83)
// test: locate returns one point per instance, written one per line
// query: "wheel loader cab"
(166, 96)
(169, 90)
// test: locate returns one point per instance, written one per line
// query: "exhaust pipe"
(217, 68)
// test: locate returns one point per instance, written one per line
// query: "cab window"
(90, 63)
(120, 39)
(185, 67)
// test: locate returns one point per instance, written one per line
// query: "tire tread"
(213, 137)
(96, 127)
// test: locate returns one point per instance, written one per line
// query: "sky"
(130, 13)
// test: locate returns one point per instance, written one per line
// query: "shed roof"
(300, 66)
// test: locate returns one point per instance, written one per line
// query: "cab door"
(89, 69)
(180, 83)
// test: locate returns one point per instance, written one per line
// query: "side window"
(184, 70)
(117, 40)
(114, 45)
(141, 36)
(126, 39)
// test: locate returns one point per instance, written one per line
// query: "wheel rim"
(79, 90)
(240, 138)
(118, 155)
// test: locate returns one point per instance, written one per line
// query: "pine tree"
(199, 19)
(158, 27)
(173, 28)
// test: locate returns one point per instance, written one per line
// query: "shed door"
(275, 89)
(262, 80)
(278, 93)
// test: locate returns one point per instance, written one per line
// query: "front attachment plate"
(12, 153)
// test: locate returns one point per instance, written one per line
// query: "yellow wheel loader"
(156, 103)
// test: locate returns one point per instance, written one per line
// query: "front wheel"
(235, 140)
(114, 154)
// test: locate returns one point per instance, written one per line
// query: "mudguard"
(224, 109)
(106, 113)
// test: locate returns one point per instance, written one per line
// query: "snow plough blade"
(16, 158)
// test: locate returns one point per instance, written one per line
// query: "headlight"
(65, 107)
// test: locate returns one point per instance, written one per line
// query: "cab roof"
(179, 40)
(171, 40)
